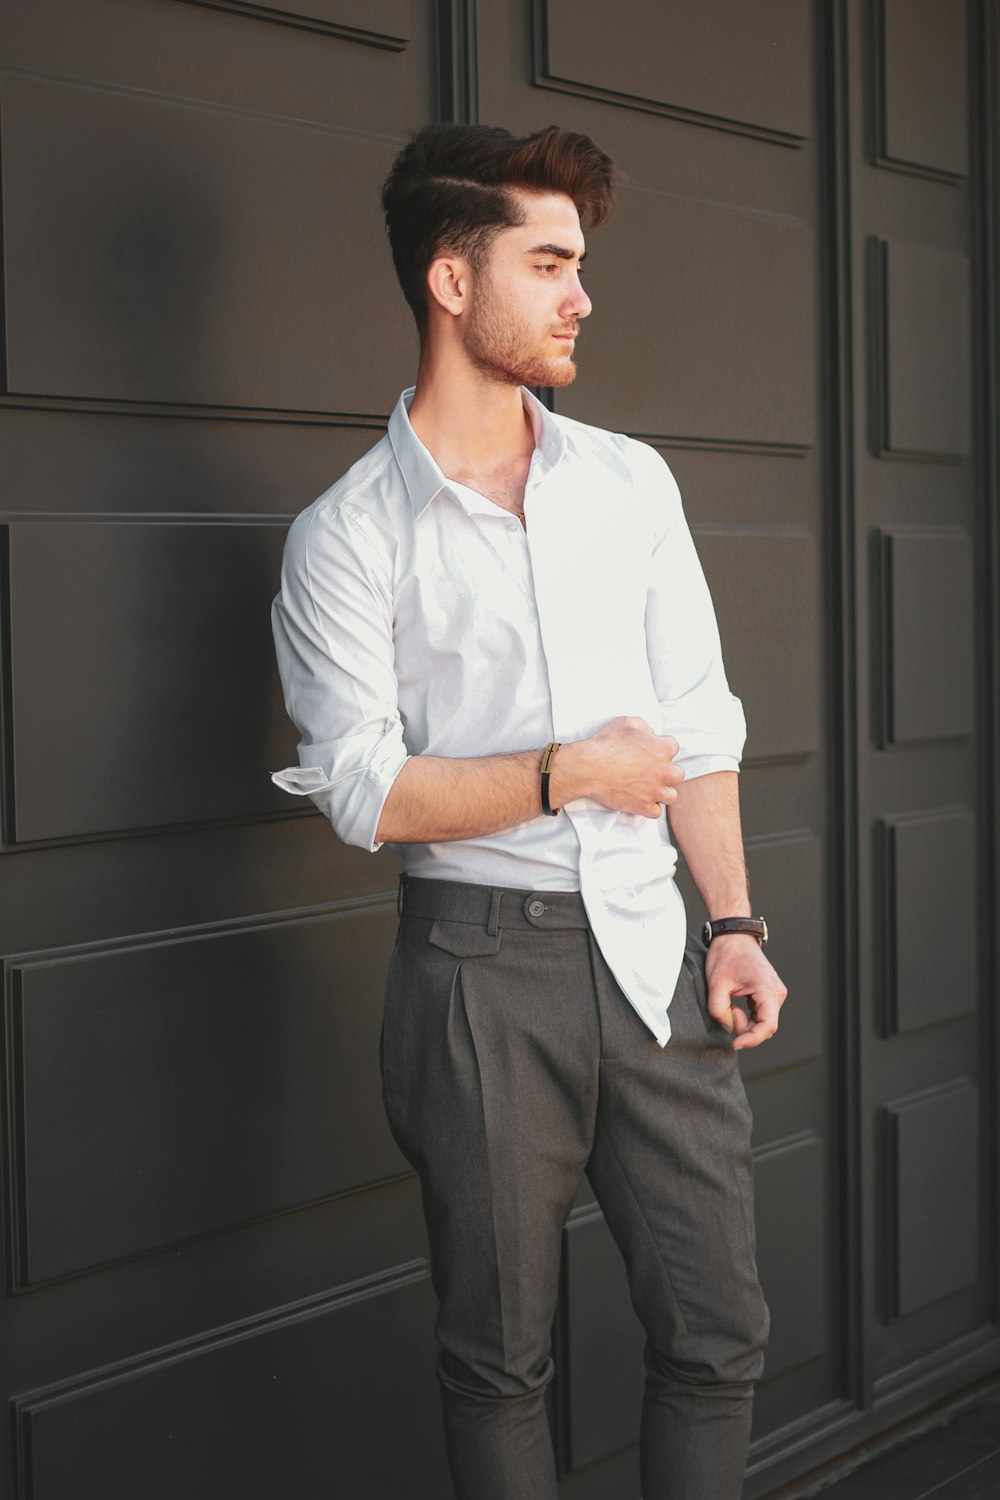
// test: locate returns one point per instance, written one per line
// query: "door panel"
(928, 1213)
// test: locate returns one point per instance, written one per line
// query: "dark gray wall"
(214, 1274)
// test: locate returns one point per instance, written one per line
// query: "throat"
(504, 488)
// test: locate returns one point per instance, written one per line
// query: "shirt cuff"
(351, 796)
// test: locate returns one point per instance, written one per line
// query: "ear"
(449, 281)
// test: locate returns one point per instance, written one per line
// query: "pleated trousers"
(513, 1064)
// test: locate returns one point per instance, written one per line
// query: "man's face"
(528, 300)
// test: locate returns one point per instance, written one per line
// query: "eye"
(551, 266)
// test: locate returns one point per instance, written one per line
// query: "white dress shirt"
(416, 617)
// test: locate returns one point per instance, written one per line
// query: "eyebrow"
(558, 250)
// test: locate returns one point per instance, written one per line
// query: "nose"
(577, 303)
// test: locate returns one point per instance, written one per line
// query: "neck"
(469, 423)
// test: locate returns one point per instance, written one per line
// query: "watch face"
(706, 933)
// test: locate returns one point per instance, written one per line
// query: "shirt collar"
(421, 474)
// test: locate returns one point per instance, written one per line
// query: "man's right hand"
(625, 766)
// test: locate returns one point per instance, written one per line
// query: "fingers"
(751, 1026)
(665, 794)
(673, 775)
(720, 1008)
(760, 1029)
(666, 742)
(759, 1024)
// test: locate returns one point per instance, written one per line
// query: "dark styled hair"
(453, 188)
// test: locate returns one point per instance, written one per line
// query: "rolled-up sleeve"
(682, 636)
(332, 623)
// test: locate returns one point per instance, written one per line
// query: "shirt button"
(536, 908)
(513, 525)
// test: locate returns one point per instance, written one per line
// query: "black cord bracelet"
(547, 759)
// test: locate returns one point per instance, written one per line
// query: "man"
(497, 643)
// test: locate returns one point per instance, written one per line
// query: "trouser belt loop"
(493, 925)
(400, 895)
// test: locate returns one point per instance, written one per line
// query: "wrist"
(569, 775)
(722, 930)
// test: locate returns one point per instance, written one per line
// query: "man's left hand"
(735, 966)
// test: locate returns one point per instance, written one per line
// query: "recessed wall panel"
(765, 591)
(335, 1400)
(792, 1264)
(163, 252)
(707, 58)
(931, 911)
(124, 463)
(143, 684)
(703, 325)
(179, 1087)
(933, 1186)
(929, 635)
(924, 85)
(926, 314)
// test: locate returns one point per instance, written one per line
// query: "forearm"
(625, 766)
(434, 800)
(705, 823)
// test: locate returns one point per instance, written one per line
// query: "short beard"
(495, 343)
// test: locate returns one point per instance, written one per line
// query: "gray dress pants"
(512, 1063)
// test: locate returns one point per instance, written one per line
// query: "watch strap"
(754, 927)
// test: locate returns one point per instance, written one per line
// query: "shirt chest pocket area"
(470, 587)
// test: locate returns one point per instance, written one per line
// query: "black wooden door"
(215, 1283)
(922, 93)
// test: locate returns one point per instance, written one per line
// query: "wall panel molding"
(375, 421)
(929, 889)
(583, 49)
(931, 1184)
(147, 264)
(313, 1372)
(921, 384)
(374, 23)
(921, 88)
(926, 592)
(182, 1085)
(85, 644)
(723, 445)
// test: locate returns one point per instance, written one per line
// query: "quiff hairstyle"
(453, 188)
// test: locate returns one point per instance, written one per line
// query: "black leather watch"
(753, 926)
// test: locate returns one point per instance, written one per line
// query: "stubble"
(499, 345)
